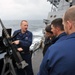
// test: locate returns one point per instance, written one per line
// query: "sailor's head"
(48, 32)
(24, 25)
(69, 20)
(57, 26)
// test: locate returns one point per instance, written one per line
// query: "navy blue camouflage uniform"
(49, 42)
(25, 43)
(60, 58)
(61, 37)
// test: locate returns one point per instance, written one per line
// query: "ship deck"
(36, 60)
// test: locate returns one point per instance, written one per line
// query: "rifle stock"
(20, 62)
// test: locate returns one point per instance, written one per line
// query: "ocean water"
(35, 26)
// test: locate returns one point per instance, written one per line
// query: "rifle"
(8, 40)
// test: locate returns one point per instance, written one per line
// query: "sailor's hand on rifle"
(16, 42)
(20, 49)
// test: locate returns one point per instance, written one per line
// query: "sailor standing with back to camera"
(23, 41)
(60, 57)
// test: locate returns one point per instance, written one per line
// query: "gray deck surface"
(36, 60)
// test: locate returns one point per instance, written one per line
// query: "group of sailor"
(59, 58)
(59, 46)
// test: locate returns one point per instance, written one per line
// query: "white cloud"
(24, 9)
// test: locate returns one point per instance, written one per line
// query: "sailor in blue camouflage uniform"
(23, 40)
(60, 57)
(58, 30)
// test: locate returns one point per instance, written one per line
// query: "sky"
(24, 9)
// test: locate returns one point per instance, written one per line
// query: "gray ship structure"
(58, 7)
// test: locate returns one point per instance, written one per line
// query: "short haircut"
(23, 21)
(48, 29)
(58, 23)
(70, 14)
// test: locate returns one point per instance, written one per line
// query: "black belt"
(22, 52)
